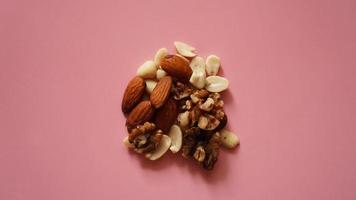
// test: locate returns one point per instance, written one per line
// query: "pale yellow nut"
(197, 63)
(175, 134)
(161, 53)
(198, 79)
(229, 139)
(160, 74)
(147, 70)
(162, 148)
(212, 65)
(184, 49)
(183, 119)
(150, 85)
(216, 83)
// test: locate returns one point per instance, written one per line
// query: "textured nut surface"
(150, 85)
(183, 119)
(160, 74)
(162, 148)
(212, 65)
(133, 94)
(207, 105)
(216, 84)
(176, 67)
(147, 69)
(184, 49)
(160, 93)
(199, 154)
(197, 63)
(198, 79)
(161, 53)
(229, 139)
(166, 115)
(175, 133)
(143, 112)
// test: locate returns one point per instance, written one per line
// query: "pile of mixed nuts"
(174, 103)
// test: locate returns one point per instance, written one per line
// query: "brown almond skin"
(176, 67)
(133, 94)
(160, 93)
(166, 116)
(143, 112)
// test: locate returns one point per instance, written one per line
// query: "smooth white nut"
(175, 134)
(197, 63)
(183, 119)
(203, 122)
(212, 65)
(229, 139)
(160, 73)
(207, 105)
(150, 85)
(161, 53)
(198, 79)
(147, 70)
(162, 148)
(216, 84)
(184, 49)
(126, 142)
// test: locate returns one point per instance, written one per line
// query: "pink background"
(64, 65)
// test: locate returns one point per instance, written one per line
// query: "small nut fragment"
(203, 122)
(199, 154)
(150, 85)
(208, 122)
(197, 63)
(229, 139)
(175, 134)
(183, 119)
(161, 149)
(216, 84)
(147, 69)
(127, 143)
(161, 53)
(212, 65)
(207, 105)
(198, 78)
(184, 49)
(160, 74)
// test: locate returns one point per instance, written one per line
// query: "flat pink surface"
(65, 64)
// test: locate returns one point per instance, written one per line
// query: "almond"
(133, 94)
(143, 112)
(161, 92)
(166, 116)
(176, 67)
(185, 49)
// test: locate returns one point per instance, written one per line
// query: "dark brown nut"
(212, 152)
(167, 115)
(143, 112)
(222, 124)
(176, 67)
(161, 92)
(133, 94)
(189, 141)
(181, 91)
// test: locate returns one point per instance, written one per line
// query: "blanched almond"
(184, 49)
(197, 63)
(212, 65)
(161, 53)
(198, 79)
(150, 85)
(160, 73)
(216, 84)
(147, 70)
(229, 139)
(175, 134)
(162, 148)
(183, 119)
